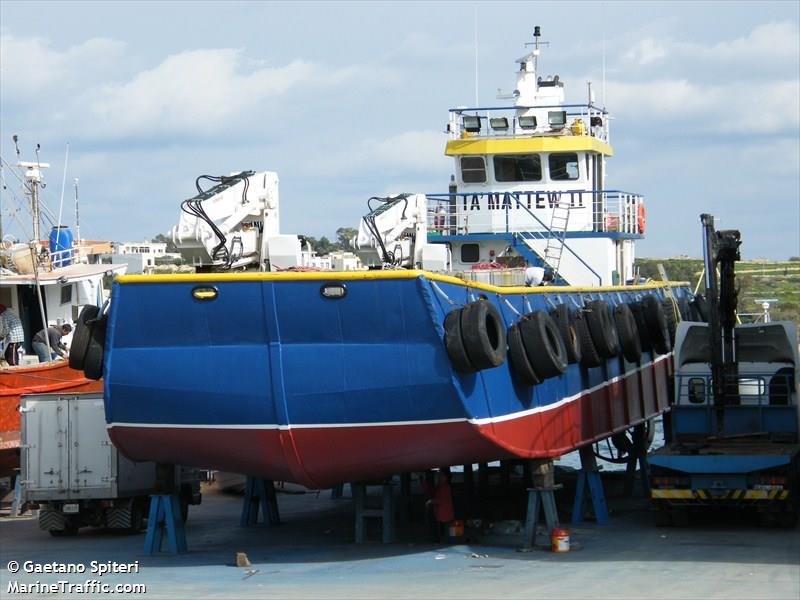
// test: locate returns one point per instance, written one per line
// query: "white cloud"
(194, 90)
(29, 66)
(400, 154)
(754, 107)
(767, 42)
(646, 51)
(417, 150)
(768, 48)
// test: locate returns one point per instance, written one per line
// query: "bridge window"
(66, 294)
(470, 253)
(518, 167)
(563, 166)
(473, 169)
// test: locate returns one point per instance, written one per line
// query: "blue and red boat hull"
(271, 378)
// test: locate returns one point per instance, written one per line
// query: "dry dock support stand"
(259, 493)
(165, 518)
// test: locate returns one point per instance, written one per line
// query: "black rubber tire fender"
(701, 308)
(564, 316)
(484, 334)
(518, 362)
(80, 339)
(93, 362)
(672, 320)
(656, 324)
(683, 308)
(454, 343)
(601, 327)
(628, 333)
(590, 357)
(543, 344)
(645, 341)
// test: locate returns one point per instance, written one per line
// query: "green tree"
(344, 237)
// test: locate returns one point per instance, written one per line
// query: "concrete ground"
(312, 555)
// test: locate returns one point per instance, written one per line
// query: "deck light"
(205, 293)
(472, 123)
(527, 122)
(557, 119)
(333, 291)
(499, 123)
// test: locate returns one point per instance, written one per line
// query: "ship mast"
(33, 175)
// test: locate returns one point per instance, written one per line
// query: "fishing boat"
(43, 281)
(439, 354)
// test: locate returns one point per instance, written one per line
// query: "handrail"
(761, 381)
(522, 234)
(617, 211)
(526, 107)
(563, 243)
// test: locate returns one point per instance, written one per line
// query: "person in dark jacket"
(54, 335)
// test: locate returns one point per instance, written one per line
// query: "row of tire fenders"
(88, 342)
(540, 345)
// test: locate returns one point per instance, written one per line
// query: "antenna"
(77, 215)
(603, 31)
(477, 103)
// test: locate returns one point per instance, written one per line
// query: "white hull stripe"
(479, 422)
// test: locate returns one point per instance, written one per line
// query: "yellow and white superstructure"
(529, 189)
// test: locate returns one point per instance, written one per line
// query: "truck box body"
(67, 454)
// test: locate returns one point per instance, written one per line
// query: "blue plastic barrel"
(61, 245)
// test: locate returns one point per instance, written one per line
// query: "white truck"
(74, 473)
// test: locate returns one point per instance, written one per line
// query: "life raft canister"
(640, 217)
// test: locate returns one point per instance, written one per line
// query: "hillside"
(755, 280)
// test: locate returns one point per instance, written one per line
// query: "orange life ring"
(640, 217)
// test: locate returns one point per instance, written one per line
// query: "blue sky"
(349, 100)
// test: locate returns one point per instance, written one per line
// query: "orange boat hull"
(47, 378)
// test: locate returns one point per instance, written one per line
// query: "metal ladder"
(559, 221)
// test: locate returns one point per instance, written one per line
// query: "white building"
(139, 256)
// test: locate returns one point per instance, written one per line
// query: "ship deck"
(312, 555)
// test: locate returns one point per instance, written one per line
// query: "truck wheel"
(137, 516)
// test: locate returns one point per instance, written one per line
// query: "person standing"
(54, 334)
(11, 333)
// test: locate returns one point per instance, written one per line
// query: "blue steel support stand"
(259, 494)
(589, 477)
(540, 494)
(165, 517)
(638, 454)
(363, 512)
